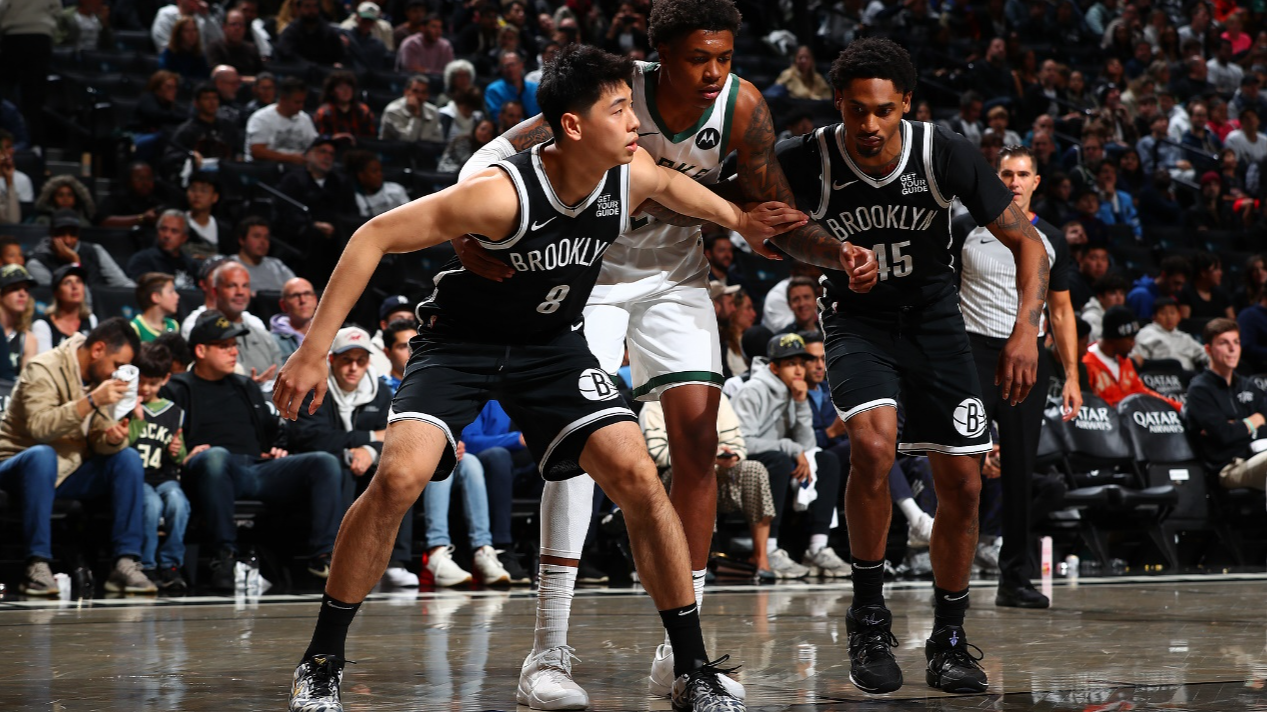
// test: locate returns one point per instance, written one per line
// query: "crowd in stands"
(245, 140)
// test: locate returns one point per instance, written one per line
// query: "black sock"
(949, 608)
(868, 583)
(682, 625)
(332, 627)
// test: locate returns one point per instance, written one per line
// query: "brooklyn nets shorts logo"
(970, 418)
(596, 386)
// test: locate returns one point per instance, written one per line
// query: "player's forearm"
(1032, 277)
(686, 197)
(811, 244)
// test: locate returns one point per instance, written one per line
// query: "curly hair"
(673, 19)
(874, 58)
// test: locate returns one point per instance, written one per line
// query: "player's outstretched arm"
(1018, 363)
(683, 195)
(414, 226)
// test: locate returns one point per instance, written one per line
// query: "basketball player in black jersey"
(886, 184)
(549, 214)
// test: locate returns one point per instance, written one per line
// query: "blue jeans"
(502, 479)
(313, 479)
(435, 501)
(120, 476)
(167, 501)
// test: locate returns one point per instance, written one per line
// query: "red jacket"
(1114, 390)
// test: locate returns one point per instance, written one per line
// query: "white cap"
(351, 337)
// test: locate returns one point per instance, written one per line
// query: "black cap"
(213, 326)
(11, 275)
(1119, 323)
(65, 218)
(785, 346)
(394, 303)
(67, 270)
(325, 139)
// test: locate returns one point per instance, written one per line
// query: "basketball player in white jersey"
(652, 297)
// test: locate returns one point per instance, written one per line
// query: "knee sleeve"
(566, 507)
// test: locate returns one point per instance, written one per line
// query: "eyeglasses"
(300, 295)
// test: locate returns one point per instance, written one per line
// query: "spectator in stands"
(365, 48)
(802, 80)
(1246, 95)
(206, 138)
(459, 75)
(1222, 72)
(1162, 339)
(511, 86)
(205, 272)
(157, 112)
(328, 194)
(340, 115)
(512, 113)
(1254, 282)
(1176, 270)
(802, 299)
(508, 468)
(281, 132)
(1109, 292)
(374, 196)
(416, 20)
(1111, 372)
(1156, 150)
(742, 316)
(396, 337)
(1087, 204)
(1226, 412)
(548, 53)
(16, 309)
(63, 247)
(1219, 123)
(1204, 297)
(1116, 206)
(140, 202)
(158, 301)
(968, 121)
(1055, 206)
(256, 351)
(627, 32)
(461, 148)
(263, 93)
(10, 202)
(64, 194)
(1158, 206)
(380, 28)
(427, 51)
(258, 32)
(228, 83)
(167, 17)
(1252, 321)
(205, 231)
(459, 116)
(184, 54)
(480, 37)
(58, 440)
(394, 307)
(350, 425)
(720, 254)
(235, 48)
(85, 27)
(1250, 147)
(992, 76)
(182, 359)
(11, 251)
(228, 412)
(168, 254)
(997, 119)
(298, 304)
(1200, 137)
(14, 180)
(268, 274)
(1211, 211)
(412, 117)
(155, 433)
(310, 38)
(69, 312)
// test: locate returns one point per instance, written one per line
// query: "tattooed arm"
(528, 133)
(525, 134)
(1018, 363)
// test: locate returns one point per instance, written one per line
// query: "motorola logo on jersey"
(567, 251)
(596, 385)
(708, 139)
(881, 217)
(970, 418)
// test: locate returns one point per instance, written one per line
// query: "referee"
(988, 295)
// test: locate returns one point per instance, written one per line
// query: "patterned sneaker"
(488, 568)
(872, 668)
(826, 564)
(545, 681)
(39, 580)
(128, 577)
(951, 665)
(444, 571)
(708, 689)
(316, 685)
(784, 567)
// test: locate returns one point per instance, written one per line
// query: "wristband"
(1253, 431)
(91, 403)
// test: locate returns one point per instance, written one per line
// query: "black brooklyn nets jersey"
(556, 253)
(903, 216)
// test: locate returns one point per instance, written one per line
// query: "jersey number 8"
(901, 266)
(554, 299)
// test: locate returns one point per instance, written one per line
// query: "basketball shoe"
(872, 667)
(488, 568)
(660, 684)
(708, 689)
(826, 563)
(951, 665)
(316, 685)
(545, 681)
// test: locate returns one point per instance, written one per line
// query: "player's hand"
(306, 371)
(801, 473)
(767, 220)
(362, 461)
(118, 433)
(475, 258)
(860, 265)
(800, 391)
(1072, 397)
(1018, 367)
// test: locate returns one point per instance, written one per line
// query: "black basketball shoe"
(952, 667)
(872, 667)
(316, 685)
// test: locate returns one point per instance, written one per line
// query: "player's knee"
(397, 488)
(635, 486)
(962, 493)
(871, 457)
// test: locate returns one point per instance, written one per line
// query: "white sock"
(555, 585)
(817, 542)
(911, 510)
(771, 544)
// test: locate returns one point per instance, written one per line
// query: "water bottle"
(82, 583)
(1072, 562)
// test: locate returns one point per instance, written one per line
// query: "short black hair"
(205, 88)
(355, 161)
(248, 222)
(671, 20)
(1176, 264)
(395, 327)
(115, 333)
(874, 58)
(206, 179)
(711, 239)
(1203, 261)
(289, 85)
(176, 346)
(1111, 283)
(154, 360)
(811, 337)
(576, 78)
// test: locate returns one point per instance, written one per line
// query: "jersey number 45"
(891, 262)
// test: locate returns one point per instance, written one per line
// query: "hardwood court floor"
(1177, 643)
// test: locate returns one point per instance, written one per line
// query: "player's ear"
(906, 102)
(571, 124)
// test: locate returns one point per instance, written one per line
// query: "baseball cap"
(350, 337)
(717, 289)
(11, 275)
(396, 302)
(785, 346)
(323, 139)
(65, 218)
(213, 326)
(1119, 323)
(210, 264)
(368, 10)
(1210, 177)
(67, 270)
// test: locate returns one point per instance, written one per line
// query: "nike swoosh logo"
(960, 598)
(341, 608)
(577, 327)
(986, 240)
(687, 613)
(539, 225)
(842, 186)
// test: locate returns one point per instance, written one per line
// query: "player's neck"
(572, 173)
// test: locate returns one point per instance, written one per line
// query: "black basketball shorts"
(555, 393)
(920, 357)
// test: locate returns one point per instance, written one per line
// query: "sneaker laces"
(558, 658)
(960, 655)
(872, 642)
(324, 675)
(707, 676)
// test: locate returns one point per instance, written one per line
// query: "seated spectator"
(459, 75)
(157, 112)
(1204, 297)
(206, 138)
(63, 247)
(461, 148)
(281, 132)
(1200, 137)
(460, 115)
(1109, 291)
(176, 345)
(228, 412)
(734, 360)
(374, 196)
(508, 470)
(340, 115)
(1230, 175)
(228, 84)
(379, 28)
(996, 123)
(1086, 203)
(1116, 206)
(58, 440)
(392, 308)
(366, 50)
(168, 254)
(425, 51)
(1158, 206)
(328, 194)
(158, 301)
(310, 38)
(412, 117)
(1252, 321)
(1175, 272)
(396, 348)
(168, 15)
(1163, 340)
(1111, 373)
(1211, 211)
(298, 304)
(1254, 282)
(155, 433)
(11, 251)
(140, 202)
(777, 425)
(802, 298)
(1249, 146)
(627, 34)
(512, 114)
(64, 193)
(205, 272)
(268, 274)
(720, 253)
(16, 309)
(205, 231)
(68, 314)
(1157, 151)
(183, 54)
(85, 27)
(235, 48)
(263, 93)
(1226, 411)
(443, 571)
(480, 36)
(16, 186)
(350, 425)
(416, 20)
(257, 351)
(967, 122)
(511, 86)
